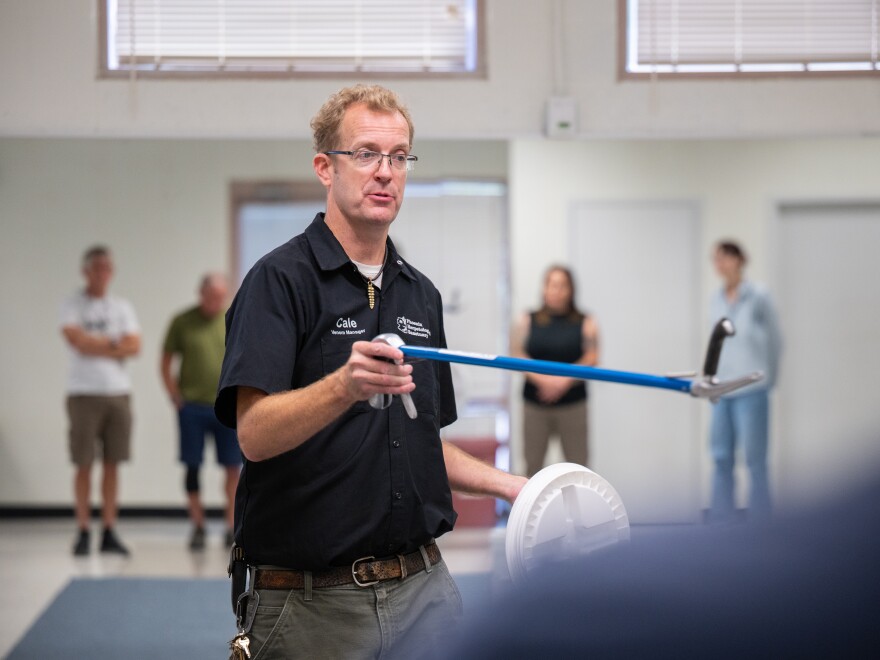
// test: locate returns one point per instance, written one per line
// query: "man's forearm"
(270, 425)
(169, 380)
(126, 346)
(470, 475)
(102, 346)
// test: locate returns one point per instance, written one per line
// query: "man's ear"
(323, 168)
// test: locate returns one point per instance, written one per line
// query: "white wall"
(49, 59)
(637, 266)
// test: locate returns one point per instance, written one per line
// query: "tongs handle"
(380, 401)
(708, 387)
(722, 330)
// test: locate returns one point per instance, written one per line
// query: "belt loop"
(425, 558)
(307, 585)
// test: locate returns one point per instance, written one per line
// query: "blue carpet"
(133, 618)
(154, 618)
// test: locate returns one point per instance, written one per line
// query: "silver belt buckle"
(354, 572)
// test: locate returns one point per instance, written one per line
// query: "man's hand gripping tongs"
(380, 401)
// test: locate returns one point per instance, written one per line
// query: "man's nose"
(384, 163)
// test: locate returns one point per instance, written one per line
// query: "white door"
(263, 226)
(829, 305)
(456, 233)
(637, 268)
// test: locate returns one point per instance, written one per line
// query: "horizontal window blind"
(681, 36)
(292, 35)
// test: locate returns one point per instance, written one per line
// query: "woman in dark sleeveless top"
(556, 405)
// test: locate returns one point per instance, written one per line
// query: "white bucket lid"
(565, 510)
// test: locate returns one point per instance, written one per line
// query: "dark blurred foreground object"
(803, 586)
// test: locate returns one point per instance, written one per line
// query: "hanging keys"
(245, 610)
(240, 647)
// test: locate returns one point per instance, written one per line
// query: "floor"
(36, 561)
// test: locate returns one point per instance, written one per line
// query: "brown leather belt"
(362, 572)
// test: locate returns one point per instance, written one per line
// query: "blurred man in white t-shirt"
(102, 332)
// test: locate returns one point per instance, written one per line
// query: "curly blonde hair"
(325, 125)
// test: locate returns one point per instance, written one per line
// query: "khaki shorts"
(99, 420)
(567, 421)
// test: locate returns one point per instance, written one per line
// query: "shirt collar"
(330, 255)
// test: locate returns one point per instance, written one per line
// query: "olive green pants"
(391, 619)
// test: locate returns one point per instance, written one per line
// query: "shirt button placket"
(398, 532)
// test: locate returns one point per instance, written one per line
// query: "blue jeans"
(743, 419)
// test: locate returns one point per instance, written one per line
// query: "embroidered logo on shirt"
(414, 328)
(347, 326)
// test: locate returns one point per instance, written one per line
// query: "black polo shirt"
(374, 481)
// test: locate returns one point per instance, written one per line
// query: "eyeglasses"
(367, 158)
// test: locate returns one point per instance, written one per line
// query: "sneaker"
(197, 540)
(81, 547)
(230, 538)
(110, 543)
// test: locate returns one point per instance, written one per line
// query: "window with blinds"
(291, 37)
(751, 36)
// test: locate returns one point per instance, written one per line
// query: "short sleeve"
(447, 412)
(69, 313)
(130, 325)
(172, 337)
(261, 339)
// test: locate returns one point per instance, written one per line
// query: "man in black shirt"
(339, 504)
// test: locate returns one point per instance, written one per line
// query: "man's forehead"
(99, 261)
(364, 124)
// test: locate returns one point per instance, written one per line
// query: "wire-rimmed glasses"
(367, 158)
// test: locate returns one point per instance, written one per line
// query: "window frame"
(106, 73)
(624, 74)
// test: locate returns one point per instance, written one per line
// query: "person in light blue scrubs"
(742, 419)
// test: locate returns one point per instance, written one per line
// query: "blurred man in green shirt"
(194, 344)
